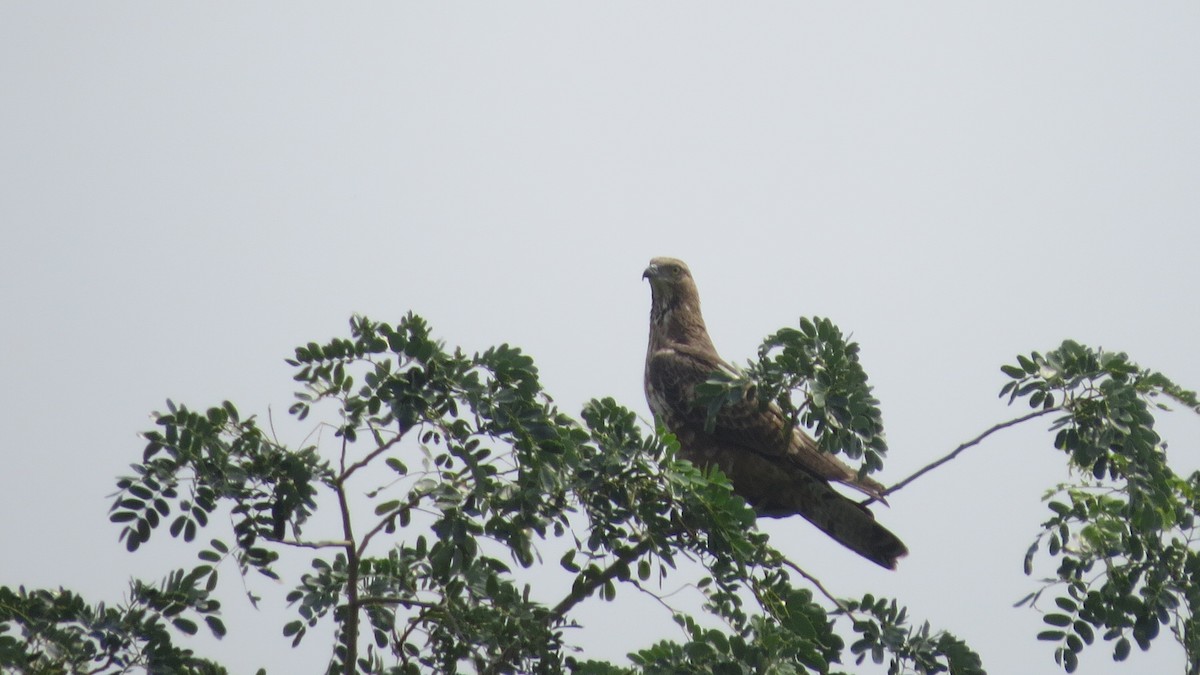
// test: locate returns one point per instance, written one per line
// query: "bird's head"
(667, 273)
(671, 286)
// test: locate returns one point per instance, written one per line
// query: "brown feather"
(780, 472)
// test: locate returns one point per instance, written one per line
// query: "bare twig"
(660, 599)
(815, 582)
(315, 544)
(957, 451)
(271, 424)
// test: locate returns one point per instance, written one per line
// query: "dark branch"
(957, 451)
(367, 460)
(585, 590)
(578, 595)
(406, 602)
(352, 607)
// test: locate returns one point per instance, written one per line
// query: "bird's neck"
(677, 320)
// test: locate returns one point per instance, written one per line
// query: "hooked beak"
(650, 272)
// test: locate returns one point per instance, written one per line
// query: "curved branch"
(957, 451)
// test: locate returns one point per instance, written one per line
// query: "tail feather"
(855, 528)
(849, 523)
(778, 490)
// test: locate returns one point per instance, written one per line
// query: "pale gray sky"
(189, 190)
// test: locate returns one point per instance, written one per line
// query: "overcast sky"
(189, 190)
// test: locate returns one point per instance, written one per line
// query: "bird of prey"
(778, 470)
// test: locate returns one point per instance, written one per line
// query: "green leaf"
(1013, 371)
(1066, 604)
(387, 507)
(140, 492)
(1121, 650)
(215, 625)
(1084, 631)
(1070, 661)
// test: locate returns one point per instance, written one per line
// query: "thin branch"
(346, 471)
(352, 606)
(271, 424)
(342, 460)
(414, 498)
(402, 639)
(577, 595)
(584, 591)
(242, 568)
(383, 523)
(661, 599)
(407, 602)
(315, 544)
(816, 582)
(957, 451)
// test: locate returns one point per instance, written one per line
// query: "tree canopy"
(450, 473)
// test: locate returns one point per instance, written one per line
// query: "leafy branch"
(497, 471)
(1123, 532)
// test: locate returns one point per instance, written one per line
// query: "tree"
(471, 471)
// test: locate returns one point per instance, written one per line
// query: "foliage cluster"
(450, 473)
(1123, 532)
